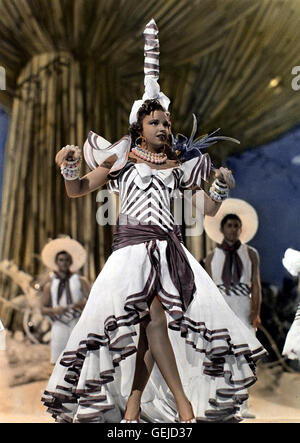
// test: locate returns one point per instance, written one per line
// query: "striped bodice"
(146, 193)
(150, 206)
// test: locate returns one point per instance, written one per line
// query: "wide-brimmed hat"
(243, 210)
(65, 243)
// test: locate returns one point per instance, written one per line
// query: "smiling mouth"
(162, 137)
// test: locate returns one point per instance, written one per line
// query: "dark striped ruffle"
(93, 400)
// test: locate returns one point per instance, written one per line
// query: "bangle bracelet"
(69, 177)
(69, 173)
(220, 187)
(218, 191)
(70, 169)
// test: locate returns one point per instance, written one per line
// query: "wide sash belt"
(179, 268)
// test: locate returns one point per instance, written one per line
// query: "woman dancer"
(194, 358)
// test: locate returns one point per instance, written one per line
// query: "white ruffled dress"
(291, 349)
(214, 350)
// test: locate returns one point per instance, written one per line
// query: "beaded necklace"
(152, 157)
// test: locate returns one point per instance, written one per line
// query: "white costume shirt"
(62, 328)
(237, 295)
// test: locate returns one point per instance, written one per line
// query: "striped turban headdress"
(151, 71)
(96, 149)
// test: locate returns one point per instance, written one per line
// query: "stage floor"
(275, 398)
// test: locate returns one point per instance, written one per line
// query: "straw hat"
(65, 243)
(236, 206)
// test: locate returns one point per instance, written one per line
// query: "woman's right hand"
(68, 153)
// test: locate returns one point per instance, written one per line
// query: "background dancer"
(234, 265)
(65, 295)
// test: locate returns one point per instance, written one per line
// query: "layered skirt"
(215, 352)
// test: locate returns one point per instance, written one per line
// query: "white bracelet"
(218, 191)
(70, 169)
(70, 173)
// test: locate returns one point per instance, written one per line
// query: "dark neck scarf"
(233, 266)
(64, 284)
(180, 271)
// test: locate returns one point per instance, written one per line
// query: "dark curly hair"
(136, 128)
(64, 253)
(230, 217)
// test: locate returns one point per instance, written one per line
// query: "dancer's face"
(63, 262)
(156, 129)
(232, 230)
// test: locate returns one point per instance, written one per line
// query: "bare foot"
(132, 411)
(185, 410)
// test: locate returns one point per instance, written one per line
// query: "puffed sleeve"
(96, 150)
(193, 171)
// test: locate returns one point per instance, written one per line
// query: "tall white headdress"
(151, 71)
(96, 149)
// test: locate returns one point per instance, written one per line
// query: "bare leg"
(162, 352)
(143, 367)
(154, 345)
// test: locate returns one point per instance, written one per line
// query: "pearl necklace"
(151, 157)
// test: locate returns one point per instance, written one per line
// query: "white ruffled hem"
(215, 352)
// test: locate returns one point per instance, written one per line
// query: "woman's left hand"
(225, 175)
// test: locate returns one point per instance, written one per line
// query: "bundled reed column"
(47, 114)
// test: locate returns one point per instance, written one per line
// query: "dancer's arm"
(207, 263)
(211, 207)
(256, 296)
(86, 288)
(91, 181)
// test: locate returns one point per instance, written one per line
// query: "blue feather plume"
(186, 149)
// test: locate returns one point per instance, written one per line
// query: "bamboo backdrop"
(77, 65)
